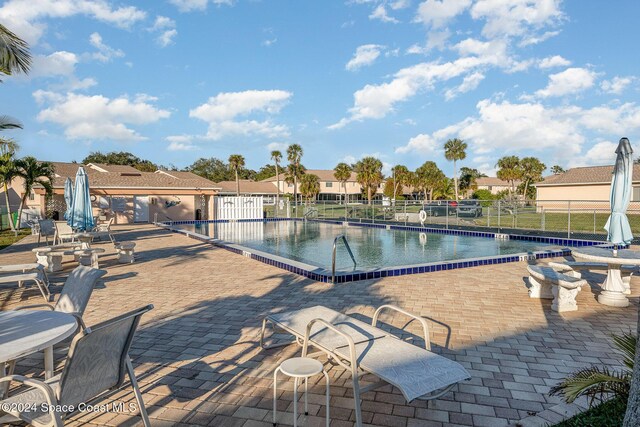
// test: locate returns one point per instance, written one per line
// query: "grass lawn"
(608, 414)
(7, 238)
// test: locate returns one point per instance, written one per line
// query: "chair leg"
(136, 391)
(44, 290)
(356, 397)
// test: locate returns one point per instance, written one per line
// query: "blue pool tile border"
(324, 275)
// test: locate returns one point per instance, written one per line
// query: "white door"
(141, 209)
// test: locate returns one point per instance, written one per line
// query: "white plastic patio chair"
(97, 363)
(46, 229)
(104, 229)
(64, 232)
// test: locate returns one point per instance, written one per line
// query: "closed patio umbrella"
(81, 212)
(617, 226)
(68, 198)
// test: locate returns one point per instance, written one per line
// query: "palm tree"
(369, 175)
(509, 170)
(309, 186)
(8, 171)
(276, 156)
(532, 169)
(401, 177)
(295, 171)
(33, 173)
(342, 172)
(14, 53)
(454, 150)
(236, 163)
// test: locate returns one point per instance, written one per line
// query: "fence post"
(446, 224)
(543, 220)
(499, 209)
(405, 213)
(488, 216)
(569, 219)
(514, 221)
(594, 221)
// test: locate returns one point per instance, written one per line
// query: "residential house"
(495, 185)
(126, 194)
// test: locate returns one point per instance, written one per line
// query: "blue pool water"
(374, 248)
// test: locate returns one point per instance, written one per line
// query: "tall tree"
(342, 172)
(33, 173)
(309, 186)
(14, 53)
(468, 178)
(444, 189)
(8, 170)
(509, 170)
(236, 163)
(266, 171)
(295, 169)
(369, 175)
(121, 158)
(531, 169)
(427, 178)
(557, 170)
(276, 156)
(212, 168)
(455, 149)
(401, 176)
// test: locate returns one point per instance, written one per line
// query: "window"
(32, 196)
(329, 184)
(635, 196)
(489, 187)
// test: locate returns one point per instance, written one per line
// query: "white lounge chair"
(20, 273)
(97, 364)
(362, 348)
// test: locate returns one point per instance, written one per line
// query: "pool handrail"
(333, 256)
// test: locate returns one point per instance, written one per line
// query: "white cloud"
(97, 117)
(616, 85)
(221, 113)
(105, 53)
(438, 13)
(183, 139)
(166, 29)
(380, 13)
(516, 17)
(534, 39)
(554, 61)
(25, 16)
(601, 153)
(365, 55)
(567, 82)
(281, 146)
(376, 101)
(193, 5)
(422, 143)
(400, 4)
(61, 63)
(181, 146)
(470, 82)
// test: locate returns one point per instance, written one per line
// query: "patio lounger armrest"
(40, 385)
(29, 307)
(352, 346)
(425, 325)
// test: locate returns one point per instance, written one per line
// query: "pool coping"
(321, 274)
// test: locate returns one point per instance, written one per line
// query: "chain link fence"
(580, 219)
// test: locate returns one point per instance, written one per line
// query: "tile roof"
(586, 175)
(247, 187)
(492, 180)
(116, 176)
(324, 175)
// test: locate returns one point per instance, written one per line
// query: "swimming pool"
(305, 247)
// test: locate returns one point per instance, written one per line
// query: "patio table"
(85, 238)
(24, 332)
(613, 288)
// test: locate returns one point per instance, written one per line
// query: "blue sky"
(175, 80)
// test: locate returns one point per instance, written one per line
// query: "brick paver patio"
(199, 363)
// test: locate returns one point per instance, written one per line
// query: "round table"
(85, 238)
(613, 288)
(24, 332)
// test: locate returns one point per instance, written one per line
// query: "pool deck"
(199, 363)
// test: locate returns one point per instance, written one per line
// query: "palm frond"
(593, 382)
(14, 53)
(7, 122)
(627, 343)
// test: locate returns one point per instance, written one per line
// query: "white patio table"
(613, 288)
(85, 238)
(24, 332)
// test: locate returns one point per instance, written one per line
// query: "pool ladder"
(333, 257)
